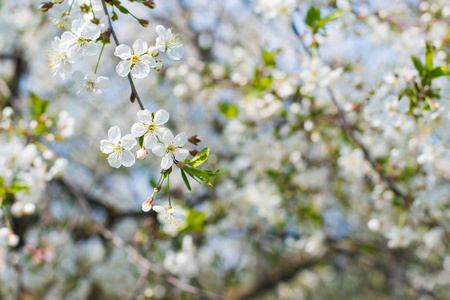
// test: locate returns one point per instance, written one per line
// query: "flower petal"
(127, 158)
(92, 31)
(78, 77)
(106, 146)
(123, 51)
(150, 141)
(140, 70)
(144, 116)
(161, 31)
(167, 137)
(128, 141)
(140, 47)
(166, 161)
(180, 154)
(159, 209)
(159, 150)
(160, 44)
(180, 140)
(115, 159)
(161, 117)
(90, 49)
(123, 68)
(114, 135)
(138, 129)
(102, 82)
(175, 53)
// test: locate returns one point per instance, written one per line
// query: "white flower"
(141, 153)
(58, 61)
(118, 148)
(171, 149)
(80, 41)
(400, 237)
(150, 126)
(147, 205)
(137, 60)
(13, 239)
(167, 41)
(90, 84)
(169, 214)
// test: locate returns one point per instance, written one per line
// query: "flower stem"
(168, 190)
(402, 218)
(92, 9)
(98, 60)
(70, 8)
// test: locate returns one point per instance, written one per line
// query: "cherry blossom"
(136, 60)
(118, 148)
(170, 149)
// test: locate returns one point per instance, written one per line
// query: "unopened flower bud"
(157, 189)
(45, 6)
(159, 66)
(194, 140)
(58, 1)
(147, 205)
(193, 152)
(13, 239)
(106, 34)
(150, 3)
(141, 153)
(153, 51)
(4, 233)
(143, 22)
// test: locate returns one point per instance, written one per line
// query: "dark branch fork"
(134, 92)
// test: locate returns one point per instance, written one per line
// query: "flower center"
(171, 148)
(134, 59)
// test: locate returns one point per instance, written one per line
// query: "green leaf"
(269, 56)
(229, 110)
(186, 181)
(195, 220)
(438, 72)
(141, 141)
(200, 174)
(200, 158)
(331, 17)
(16, 187)
(312, 17)
(417, 65)
(114, 17)
(429, 57)
(123, 10)
(39, 105)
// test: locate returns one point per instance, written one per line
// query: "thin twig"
(135, 256)
(130, 79)
(349, 130)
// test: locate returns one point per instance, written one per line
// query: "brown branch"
(130, 79)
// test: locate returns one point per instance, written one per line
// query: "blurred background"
(332, 144)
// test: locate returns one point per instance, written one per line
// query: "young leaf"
(186, 181)
(418, 65)
(429, 57)
(331, 17)
(200, 174)
(17, 187)
(123, 10)
(200, 158)
(438, 72)
(312, 17)
(141, 141)
(229, 110)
